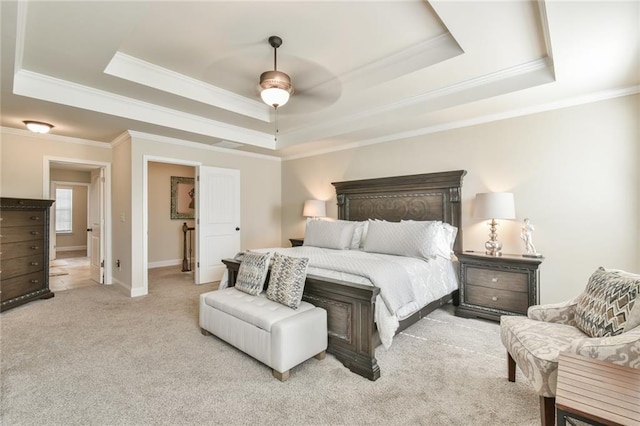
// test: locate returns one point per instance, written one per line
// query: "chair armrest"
(623, 349)
(561, 313)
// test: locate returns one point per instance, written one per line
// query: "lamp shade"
(314, 208)
(495, 205)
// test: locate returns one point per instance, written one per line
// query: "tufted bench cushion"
(256, 310)
(272, 333)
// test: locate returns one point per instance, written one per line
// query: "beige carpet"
(93, 356)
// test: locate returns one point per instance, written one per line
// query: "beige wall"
(122, 224)
(165, 240)
(22, 156)
(573, 171)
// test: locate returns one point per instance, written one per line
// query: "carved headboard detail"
(429, 196)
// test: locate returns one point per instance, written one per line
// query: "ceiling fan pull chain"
(275, 136)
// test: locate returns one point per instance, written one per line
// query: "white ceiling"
(363, 71)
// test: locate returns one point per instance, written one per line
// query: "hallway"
(70, 270)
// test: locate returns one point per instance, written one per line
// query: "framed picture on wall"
(183, 197)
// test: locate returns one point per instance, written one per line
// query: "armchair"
(603, 322)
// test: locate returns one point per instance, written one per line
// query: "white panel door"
(96, 225)
(218, 221)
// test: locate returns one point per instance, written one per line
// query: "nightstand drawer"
(499, 280)
(504, 300)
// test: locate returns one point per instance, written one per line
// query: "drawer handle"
(34, 281)
(34, 247)
(494, 298)
(35, 233)
(35, 217)
(494, 280)
(34, 263)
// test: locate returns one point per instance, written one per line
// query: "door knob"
(237, 228)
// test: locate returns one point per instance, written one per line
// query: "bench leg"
(281, 376)
(511, 367)
(322, 355)
(205, 332)
(547, 411)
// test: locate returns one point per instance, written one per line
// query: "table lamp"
(494, 205)
(314, 209)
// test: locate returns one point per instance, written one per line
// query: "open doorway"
(171, 217)
(79, 219)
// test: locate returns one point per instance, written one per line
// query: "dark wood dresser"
(24, 251)
(491, 286)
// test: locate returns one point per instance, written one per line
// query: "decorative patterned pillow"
(441, 237)
(330, 234)
(608, 305)
(413, 239)
(288, 275)
(253, 272)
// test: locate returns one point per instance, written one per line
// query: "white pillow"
(330, 234)
(441, 239)
(401, 238)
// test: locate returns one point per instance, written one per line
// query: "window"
(64, 207)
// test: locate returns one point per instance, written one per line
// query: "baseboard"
(71, 248)
(165, 263)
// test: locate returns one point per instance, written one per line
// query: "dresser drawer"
(504, 300)
(499, 280)
(24, 284)
(21, 249)
(21, 233)
(21, 265)
(12, 218)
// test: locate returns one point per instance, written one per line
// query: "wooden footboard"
(350, 319)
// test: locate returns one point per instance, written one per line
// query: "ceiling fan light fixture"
(38, 126)
(276, 87)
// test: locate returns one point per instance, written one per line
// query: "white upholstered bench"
(270, 332)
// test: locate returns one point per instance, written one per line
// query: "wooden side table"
(596, 391)
(491, 286)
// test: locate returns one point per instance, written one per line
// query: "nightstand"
(295, 242)
(491, 286)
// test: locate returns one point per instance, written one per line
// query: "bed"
(351, 306)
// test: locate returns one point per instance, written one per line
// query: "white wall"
(574, 173)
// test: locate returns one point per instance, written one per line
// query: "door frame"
(146, 159)
(46, 193)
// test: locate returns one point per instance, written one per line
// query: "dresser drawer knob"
(35, 233)
(34, 263)
(34, 281)
(494, 298)
(34, 247)
(494, 280)
(35, 217)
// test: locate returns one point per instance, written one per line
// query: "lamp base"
(493, 246)
(535, 255)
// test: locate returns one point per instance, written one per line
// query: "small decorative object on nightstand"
(526, 234)
(295, 242)
(492, 286)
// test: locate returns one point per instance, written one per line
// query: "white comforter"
(419, 283)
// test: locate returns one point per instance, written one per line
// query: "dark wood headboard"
(429, 196)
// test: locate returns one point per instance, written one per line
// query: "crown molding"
(565, 103)
(197, 145)
(52, 137)
(39, 86)
(142, 72)
(451, 95)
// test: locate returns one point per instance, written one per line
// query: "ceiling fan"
(275, 86)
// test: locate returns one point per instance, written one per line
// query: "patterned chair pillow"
(610, 305)
(288, 275)
(253, 272)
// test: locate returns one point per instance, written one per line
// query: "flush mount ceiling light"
(38, 126)
(275, 85)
